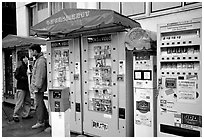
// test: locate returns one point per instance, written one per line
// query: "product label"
(100, 125)
(142, 119)
(186, 91)
(190, 119)
(143, 106)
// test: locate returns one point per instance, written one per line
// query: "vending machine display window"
(61, 74)
(100, 81)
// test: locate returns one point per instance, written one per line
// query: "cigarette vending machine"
(179, 79)
(143, 44)
(63, 60)
(107, 86)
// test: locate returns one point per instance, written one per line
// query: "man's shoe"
(37, 125)
(28, 117)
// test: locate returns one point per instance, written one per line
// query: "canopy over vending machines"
(143, 44)
(179, 79)
(100, 92)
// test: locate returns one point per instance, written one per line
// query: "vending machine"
(63, 60)
(180, 79)
(107, 86)
(60, 112)
(143, 44)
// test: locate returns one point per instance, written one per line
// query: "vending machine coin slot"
(120, 77)
(122, 113)
(57, 106)
(78, 107)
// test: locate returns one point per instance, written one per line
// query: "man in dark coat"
(23, 94)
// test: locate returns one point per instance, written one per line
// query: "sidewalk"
(22, 128)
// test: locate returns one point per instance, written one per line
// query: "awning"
(81, 20)
(141, 40)
(11, 41)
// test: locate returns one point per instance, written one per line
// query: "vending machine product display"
(107, 91)
(63, 61)
(179, 79)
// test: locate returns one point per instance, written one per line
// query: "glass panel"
(110, 5)
(100, 81)
(158, 6)
(67, 5)
(42, 5)
(56, 7)
(60, 68)
(133, 8)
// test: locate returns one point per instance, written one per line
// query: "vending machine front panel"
(179, 79)
(63, 61)
(105, 103)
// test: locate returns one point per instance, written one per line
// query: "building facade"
(148, 14)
